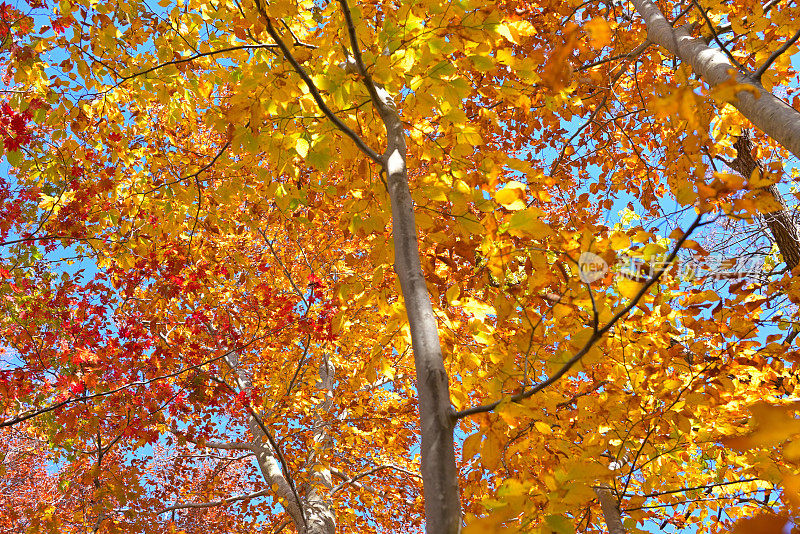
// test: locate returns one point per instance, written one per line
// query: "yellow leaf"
(451, 295)
(628, 288)
(302, 147)
(526, 223)
(471, 446)
(505, 31)
(511, 196)
(482, 63)
(685, 194)
(560, 524)
(599, 32)
(619, 241)
(728, 91)
(490, 451)
(542, 427)
(767, 203)
(791, 451)
(774, 424)
(512, 412)
(478, 309)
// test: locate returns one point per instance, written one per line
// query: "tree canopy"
(380, 266)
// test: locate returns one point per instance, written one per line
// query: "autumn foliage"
(384, 266)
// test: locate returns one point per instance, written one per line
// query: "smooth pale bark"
(770, 114)
(439, 473)
(437, 421)
(312, 514)
(610, 507)
(265, 457)
(321, 519)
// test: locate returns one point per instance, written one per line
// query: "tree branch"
(31, 414)
(716, 37)
(636, 52)
(221, 502)
(596, 335)
(363, 474)
(775, 55)
(610, 506)
(769, 113)
(312, 88)
(194, 57)
(359, 59)
(235, 446)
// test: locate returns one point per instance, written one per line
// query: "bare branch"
(716, 37)
(31, 414)
(197, 56)
(221, 502)
(352, 480)
(636, 52)
(356, 49)
(696, 488)
(234, 446)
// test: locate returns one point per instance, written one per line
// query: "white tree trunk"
(439, 473)
(772, 115)
(321, 519)
(312, 514)
(265, 457)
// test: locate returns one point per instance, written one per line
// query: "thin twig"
(775, 55)
(194, 57)
(716, 37)
(221, 502)
(371, 472)
(362, 69)
(25, 416)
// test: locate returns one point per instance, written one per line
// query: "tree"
(285, 203)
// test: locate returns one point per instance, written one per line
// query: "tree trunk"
(313, 514)
(439, 473)
(772, 115)
(437, 421)
(610, 507)
(321, 519)
(780, 222)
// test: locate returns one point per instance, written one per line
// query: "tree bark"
(780, 222)
(439, 474)
(437, 421)
(770, 114)
(266, 458)
(610, 507)
(312, 514)
(321, 519)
